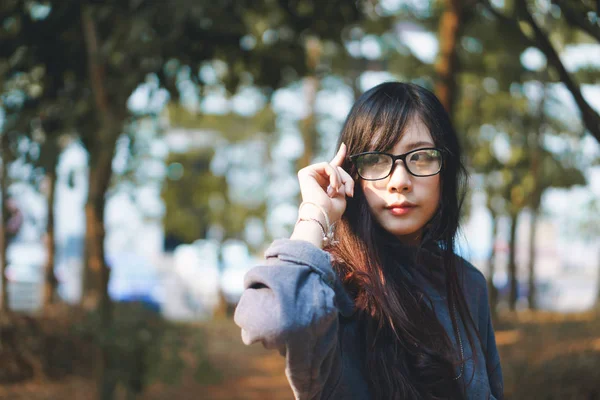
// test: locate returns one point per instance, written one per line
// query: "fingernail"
(330, 191)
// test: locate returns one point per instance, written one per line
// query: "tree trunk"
(447, 63)
(512, 266)
(531, 296)
(311, 85)
(309, 132)
(96, 297)
(536, 139)
(220, 310)
(50, 281)
(101, 154)
(598, 287)
(359, 66)
(97, 287)
(4, 306)
(493, 292)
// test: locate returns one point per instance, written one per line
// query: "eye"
(424, 156)
(373, 159)
(373, 165)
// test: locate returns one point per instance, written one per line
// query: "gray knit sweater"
(294, 302)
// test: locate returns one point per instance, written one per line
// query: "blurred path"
(544, 355)
(245, 372)
(234, 371)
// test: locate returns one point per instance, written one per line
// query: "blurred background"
(149, 152)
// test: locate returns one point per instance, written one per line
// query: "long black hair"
(407, 352)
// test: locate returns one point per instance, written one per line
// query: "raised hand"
(327, 185)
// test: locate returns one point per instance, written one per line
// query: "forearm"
(308, 229)
(292, 303)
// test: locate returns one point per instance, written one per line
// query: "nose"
(400, 179)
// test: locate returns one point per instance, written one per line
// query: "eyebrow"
(416, 145)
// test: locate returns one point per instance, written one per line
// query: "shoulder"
(473, 283)
(469, 273)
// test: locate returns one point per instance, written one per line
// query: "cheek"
(437, 186)
(367, 193)
(375, 188)
(428, 193)
(374, 192)
(435, 191)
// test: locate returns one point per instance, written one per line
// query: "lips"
(403, 204)
(401, 208)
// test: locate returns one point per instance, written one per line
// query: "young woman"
(367, 299)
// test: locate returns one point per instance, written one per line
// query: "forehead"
(415, 135)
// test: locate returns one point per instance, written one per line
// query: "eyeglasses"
(376, 165)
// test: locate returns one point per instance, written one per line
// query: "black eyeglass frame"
(394, 158)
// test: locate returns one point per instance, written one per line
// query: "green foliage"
(196, 199)
(585, 222)
(187, 193)
(260, 43)
(142, 348)
(232, 127)
(502, 127)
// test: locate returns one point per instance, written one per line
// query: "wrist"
(309, 209)
(313, 213)
(309, 231)
(316, 215)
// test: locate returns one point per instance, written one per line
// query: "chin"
(402, 233)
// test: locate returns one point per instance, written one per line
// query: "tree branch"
(577, 19)
(591, 118)
(510, 21)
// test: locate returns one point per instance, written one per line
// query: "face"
(418, 197)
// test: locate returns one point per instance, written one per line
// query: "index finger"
(338, 160)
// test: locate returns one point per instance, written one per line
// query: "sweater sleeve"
(494, 368)
(488, 337)
(292, 303)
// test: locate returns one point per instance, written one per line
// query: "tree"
(493, 112)
(190, 42)
(451, 27)
(107, 49)
(4, 146)
(536, 36)
(50, 150)
(14, 130)
(36, 97)
(590, 230)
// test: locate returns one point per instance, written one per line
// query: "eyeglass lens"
(419, 163)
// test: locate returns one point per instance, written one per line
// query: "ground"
(544, 355)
